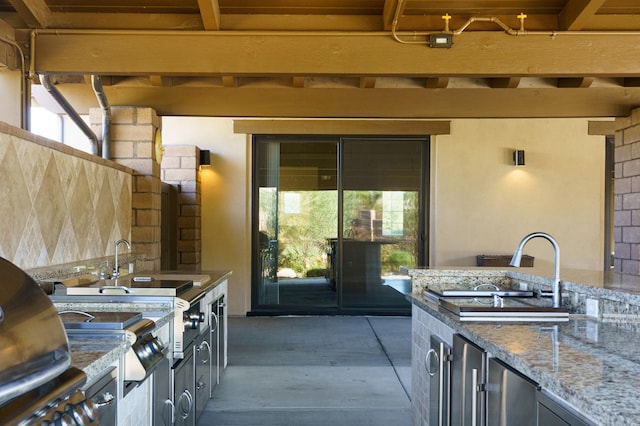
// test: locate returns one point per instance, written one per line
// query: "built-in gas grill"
(146, 350)
(37, 383)
(181, 294)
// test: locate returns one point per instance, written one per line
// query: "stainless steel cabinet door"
(511, 398)
(203, 358)
(184, 392)
(162, 403)
(438, 365)
(467, 376)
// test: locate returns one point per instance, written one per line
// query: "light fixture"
(518, 157)
(205, 157)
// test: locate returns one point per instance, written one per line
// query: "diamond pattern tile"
(51, 209)
(57, 208)
(15, 203)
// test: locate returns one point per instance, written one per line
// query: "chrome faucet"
(116, 270)
(517, 256)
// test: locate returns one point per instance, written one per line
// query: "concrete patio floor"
(322, 370)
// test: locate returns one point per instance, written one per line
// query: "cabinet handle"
(208, 352)
(432, 353)
(173, 410)
(215, 317)
(104, 400)
(185, 411)
(474, 397)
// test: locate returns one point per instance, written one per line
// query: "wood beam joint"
(577, 82)
(504, 83)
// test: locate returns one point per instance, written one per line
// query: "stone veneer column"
(627, 195)
(180, 168)
(133, 132)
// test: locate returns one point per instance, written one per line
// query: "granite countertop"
(593, 365)
(94, 355)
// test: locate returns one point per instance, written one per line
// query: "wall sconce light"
(205, 157)
(518, 157)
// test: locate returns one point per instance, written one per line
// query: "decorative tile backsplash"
(58, 205)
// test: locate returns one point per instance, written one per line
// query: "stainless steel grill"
(183, 296)
(37, 382)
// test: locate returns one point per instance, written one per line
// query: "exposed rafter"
(328, 57)
(210, 13)
(577, 13)
(35, 13)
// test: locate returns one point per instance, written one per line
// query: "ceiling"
(339, 58)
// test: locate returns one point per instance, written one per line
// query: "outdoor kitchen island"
(187, 343)
(583, 371)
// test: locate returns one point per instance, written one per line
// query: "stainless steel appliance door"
(438, 364)
(183, 390)
(511, 398)
(163, 408)
(218, 340)
(103, 394)
(467, 376)
(202, 357)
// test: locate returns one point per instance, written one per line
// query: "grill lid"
(33, 344)
(79, 320)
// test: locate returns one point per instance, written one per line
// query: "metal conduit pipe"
(24, 101)
(73, 114)
(507, 29)
(96, 83)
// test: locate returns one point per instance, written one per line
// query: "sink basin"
(511, 310)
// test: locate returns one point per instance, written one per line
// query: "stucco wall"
(225, 189)
(480, 202)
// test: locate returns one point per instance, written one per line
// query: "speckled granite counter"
(591, 363)
(93, 355)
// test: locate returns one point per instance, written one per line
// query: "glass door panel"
(334, 219)
(382, 181)
(297, 211)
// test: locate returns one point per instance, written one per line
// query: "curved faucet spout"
(116, 269)
(517, 256)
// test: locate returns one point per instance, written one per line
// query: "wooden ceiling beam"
(492, 54)
(577, 14)
(35, 13)
(126, 21)
(286, 102)
(210, 13)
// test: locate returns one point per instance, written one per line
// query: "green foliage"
(396, 259)
(303, 237)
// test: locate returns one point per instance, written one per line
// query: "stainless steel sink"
(479, 293)
(503, 310)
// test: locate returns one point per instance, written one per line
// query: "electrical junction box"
(441, 40)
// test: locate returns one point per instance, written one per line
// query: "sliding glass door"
(381, 188)
(333, 220)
